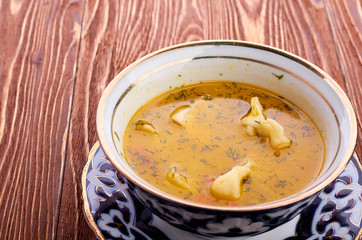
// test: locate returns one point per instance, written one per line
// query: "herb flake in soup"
(184, 139)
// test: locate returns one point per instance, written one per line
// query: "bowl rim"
(250, 208)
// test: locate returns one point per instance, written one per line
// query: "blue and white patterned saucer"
(113, 214)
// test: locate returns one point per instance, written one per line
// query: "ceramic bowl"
(302, 83)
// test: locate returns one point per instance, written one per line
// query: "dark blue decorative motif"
(111, 205)
(337, 212)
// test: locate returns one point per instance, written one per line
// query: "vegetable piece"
(177, 179)
(229, 185)
(145, 126)
(256, 124)
(181, 115)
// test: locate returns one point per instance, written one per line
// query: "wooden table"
(56, 58)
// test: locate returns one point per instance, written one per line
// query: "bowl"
(302, 83)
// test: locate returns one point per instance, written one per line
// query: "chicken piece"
(145, 126)
(229, 185)
(257, 124)
(177, 179)
(275, 132)
(181, 115)
(254, 118)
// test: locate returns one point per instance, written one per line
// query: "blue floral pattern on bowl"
(337, 212)
(113, 213)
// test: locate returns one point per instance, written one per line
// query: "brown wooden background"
(56, 58)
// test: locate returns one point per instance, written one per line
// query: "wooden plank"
(346, 22)
(94, 71)
(38, 51)
(116, 33)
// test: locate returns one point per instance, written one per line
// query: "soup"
(161, 143)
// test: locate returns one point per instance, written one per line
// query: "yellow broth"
(214, 141)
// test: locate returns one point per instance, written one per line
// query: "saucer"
(113, 214)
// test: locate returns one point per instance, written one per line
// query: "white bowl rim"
(250, 208)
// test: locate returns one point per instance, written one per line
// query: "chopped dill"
(116, 136)
(206, 97)
(278, 76)
(289, 108)
(233, 154)
(183, 94)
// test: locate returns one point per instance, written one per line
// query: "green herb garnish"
(207, 97)
(233, 154)
(116, 136)
(278, 76)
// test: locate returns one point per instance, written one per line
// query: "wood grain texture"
(38, 50)
(116, 33)
(346, 22)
